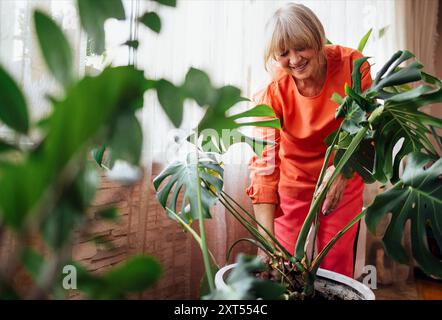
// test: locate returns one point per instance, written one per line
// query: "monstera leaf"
(400, 125)
(361, 161)
(416, 197)
(402, 121)
(219, 129)
(183, 176)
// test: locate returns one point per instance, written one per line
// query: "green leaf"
(336, 98)
(242, 284)
(8, 292)
(108, 214)
(13, 109)
(93, 14)
(57, 227)
(55, 48)
(98, 154)
(261, 110)
(127, 139)
(362, 161)
(364, 40)
(408, 74)
(171, 99)
(33, 262)
(59, 224)
(135, 275)
(88, 107)
(382, 31)
(132, 43)
(362, 102)
(416, 197)
(357, 75)
(152, 21)
(222, 130)
(197, 86)
(412, 93)
(5, 147)
(182, 176)
(354, 118)
(395, 60)
(170, 3)
(401, 120)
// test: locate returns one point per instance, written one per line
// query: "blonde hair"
(292, 26)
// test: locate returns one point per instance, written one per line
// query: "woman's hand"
(334, 194)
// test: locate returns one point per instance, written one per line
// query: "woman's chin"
(300, 75)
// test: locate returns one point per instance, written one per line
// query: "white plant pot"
(327, 282)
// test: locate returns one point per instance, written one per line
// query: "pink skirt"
(291, 213)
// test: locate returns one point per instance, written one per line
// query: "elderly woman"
(283, 180)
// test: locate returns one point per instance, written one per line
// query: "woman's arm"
(265, 213)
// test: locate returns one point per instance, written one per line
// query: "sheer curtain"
(20, 54)
(225, 39)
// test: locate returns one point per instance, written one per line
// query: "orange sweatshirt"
(291, 166)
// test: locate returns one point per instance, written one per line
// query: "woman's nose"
(294, 58)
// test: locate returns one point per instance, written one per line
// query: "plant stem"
(317, 261)
(248, 226)
(271, 236)
(192, 232)
(252, 241)
(204, 249)
(299, 250)
(317, 200)
(319, 182)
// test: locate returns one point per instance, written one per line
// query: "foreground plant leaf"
(59, 223)
(13, 109)
(170, 3)
(135, 275)
(243, 285)
(93, 14)
(88, 106)
(55, 48)
(416, 197)
(152, 21)
(123, 148)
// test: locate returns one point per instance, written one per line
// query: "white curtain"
(20, 54)
(19, 51)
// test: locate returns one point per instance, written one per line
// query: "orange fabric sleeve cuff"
(263, 194)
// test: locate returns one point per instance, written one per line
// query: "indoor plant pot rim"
(361, 288)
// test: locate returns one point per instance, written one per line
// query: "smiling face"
(295, 40)
(301, 63)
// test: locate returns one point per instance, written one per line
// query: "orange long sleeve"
(292, 165)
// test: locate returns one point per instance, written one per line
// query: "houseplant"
(48, 180)
(374, 122)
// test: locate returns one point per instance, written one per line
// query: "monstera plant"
(381, 127)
